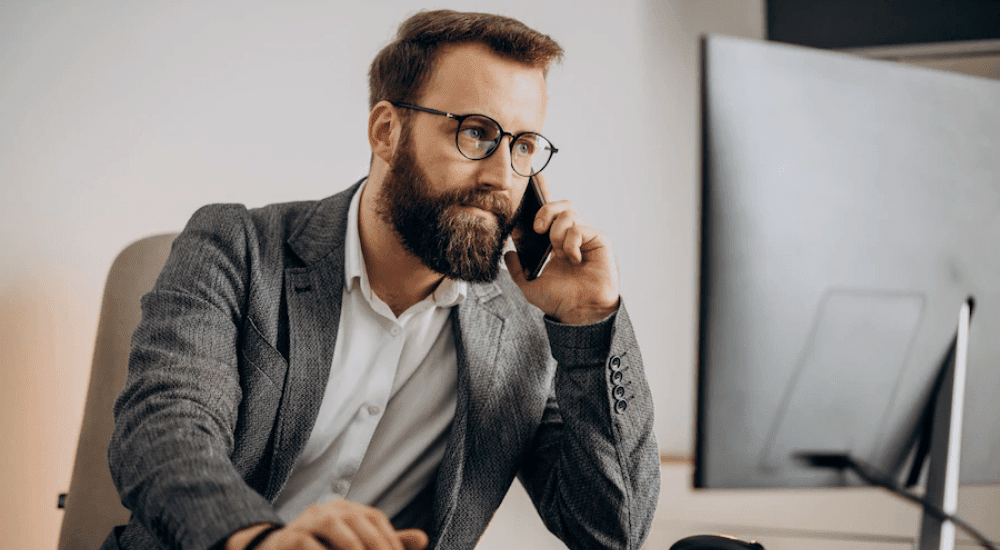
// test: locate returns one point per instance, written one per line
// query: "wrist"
(586, 316)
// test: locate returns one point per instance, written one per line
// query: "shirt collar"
(450, 292)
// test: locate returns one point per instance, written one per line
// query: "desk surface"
(814, 519)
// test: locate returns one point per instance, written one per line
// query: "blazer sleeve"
(594, 473)
(174, 421)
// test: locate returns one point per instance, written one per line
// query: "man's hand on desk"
(336, 525)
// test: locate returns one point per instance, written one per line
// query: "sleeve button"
(618, 392)
(616, 377)
(621, 405)
(615, 363)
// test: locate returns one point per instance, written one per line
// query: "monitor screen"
(850, 207)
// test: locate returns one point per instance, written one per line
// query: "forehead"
(471, 78)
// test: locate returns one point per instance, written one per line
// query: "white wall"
(118, 119)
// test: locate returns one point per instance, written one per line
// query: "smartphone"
(533, 249)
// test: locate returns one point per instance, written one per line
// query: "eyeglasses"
(479, 136)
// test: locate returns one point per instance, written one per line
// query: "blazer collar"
(323, 230)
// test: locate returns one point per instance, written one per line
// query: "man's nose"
(496, 170)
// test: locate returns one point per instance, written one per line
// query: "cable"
(870, 476)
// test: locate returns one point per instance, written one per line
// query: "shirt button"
(340, 487)
(394, 331)
(374, 410)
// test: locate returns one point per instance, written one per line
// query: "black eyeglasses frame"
(461, 118)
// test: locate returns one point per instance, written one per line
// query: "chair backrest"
(92, 505)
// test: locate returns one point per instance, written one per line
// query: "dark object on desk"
(714, 542)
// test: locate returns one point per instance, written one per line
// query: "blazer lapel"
(477, 328)
(313, 294)
(505, 371)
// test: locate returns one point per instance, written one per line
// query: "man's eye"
(524, 148)
(474, 133)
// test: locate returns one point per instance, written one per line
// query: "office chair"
(92, 506)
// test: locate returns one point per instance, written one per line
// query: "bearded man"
(360, 371)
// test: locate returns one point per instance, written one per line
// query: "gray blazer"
(229, 364)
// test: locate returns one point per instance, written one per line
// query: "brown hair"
(400, 70)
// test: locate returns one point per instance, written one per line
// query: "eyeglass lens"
(479, 136)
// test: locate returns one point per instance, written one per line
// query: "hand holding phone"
(580, 284)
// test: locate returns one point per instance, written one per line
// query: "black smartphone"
(533, 249)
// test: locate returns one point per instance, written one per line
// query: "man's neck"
(395, 274)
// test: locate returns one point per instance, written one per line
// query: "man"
(358, 372)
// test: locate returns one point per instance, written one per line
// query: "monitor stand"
(946, 444)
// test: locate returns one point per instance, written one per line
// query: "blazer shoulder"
(283, 218)
(271, 219)
(298, 232)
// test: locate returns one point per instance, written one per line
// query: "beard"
(436, 228)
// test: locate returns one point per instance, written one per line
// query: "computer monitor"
(850, 208)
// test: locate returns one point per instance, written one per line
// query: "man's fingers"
(557, 222)
(370, 535)
(413, 539)
(569, 235)
(572, 239)
(548, 213)
(337, 534)
(344, 525)
(383, 523)
(292, 538)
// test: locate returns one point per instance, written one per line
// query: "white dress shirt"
(390, 399)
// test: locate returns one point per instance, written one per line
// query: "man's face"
(436, 226)
(451, 212)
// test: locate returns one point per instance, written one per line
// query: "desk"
(785, 519)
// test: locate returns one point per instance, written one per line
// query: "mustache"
(489, 201)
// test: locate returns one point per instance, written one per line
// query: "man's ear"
(383, 130)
